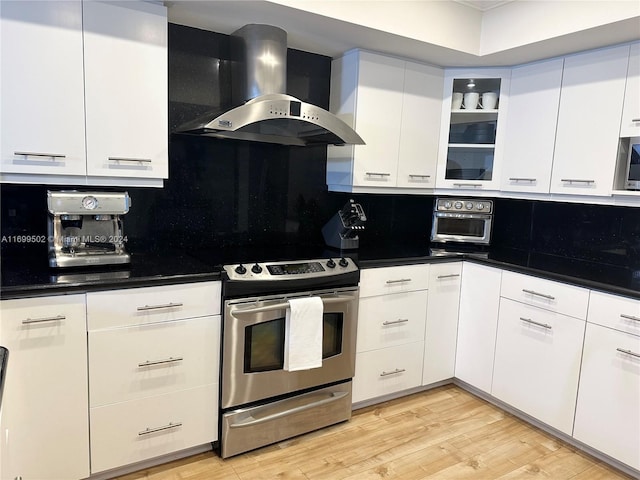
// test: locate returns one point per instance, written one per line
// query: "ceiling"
(441, 32)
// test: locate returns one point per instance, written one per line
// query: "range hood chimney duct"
(266, 113)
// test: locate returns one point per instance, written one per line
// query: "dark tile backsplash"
(223, 193)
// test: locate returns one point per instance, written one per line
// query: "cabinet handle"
(395, 322)
(577, 180)
(29, 321)
(630, 317)
(543, 325)
(537, 294)
(397, 370)
(148, 430)
(451, 275)
(160, 362)
(157, 307)
(126, 159)
(377, 174)
(400, 280)
(38, 154)
(628, 352)
(461, 185)
(517, 179)
(635, 119)
(415, 175)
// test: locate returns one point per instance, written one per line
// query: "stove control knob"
(240, 270)
(331, 263)
(343, 262)
(458, 205)
(447, 205)
(469, 206)
(256, 268)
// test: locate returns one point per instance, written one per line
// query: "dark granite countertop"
(26, 274)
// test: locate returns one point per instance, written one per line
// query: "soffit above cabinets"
(446, 33)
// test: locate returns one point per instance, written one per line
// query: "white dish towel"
(303, 334)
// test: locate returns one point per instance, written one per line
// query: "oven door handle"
(251, 421)
(280, 306)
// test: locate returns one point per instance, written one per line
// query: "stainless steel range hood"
(268, 114)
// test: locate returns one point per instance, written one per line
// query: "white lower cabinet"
(44, 433)
(537, 362)
(608, 407)
(442, 322)
(477, 324)
(153, 371)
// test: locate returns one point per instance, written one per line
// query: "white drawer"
(34, 314)
(620, 313)
(554, 296)
(136, 306)
(389, 320)
(403, 278)
(388, 370)
(119, 434)
(135, 362)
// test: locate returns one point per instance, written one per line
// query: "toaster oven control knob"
(447, 205)
(331, 263)
(479, 206)
(240, 270)
(256, 268)
(343, 262)
(458, 205)
(469, 206)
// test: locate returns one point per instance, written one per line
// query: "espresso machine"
(342, 230)
(85, 228)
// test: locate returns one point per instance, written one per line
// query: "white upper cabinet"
(69, 64)
(630, 126)
(592, 94)
(394, 105)
(41, 88)
(534, 97)
(126, 89)
(473, 129)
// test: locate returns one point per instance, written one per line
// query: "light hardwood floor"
(445, 433)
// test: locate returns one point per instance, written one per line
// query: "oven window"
(264, 343)
(470, 227)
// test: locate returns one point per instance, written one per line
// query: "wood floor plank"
(445, 433)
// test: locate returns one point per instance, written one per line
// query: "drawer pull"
(635, 119)
(577, 180)
(518, 179)
(377, 174)
(150, 363)
(38, 154)
(400, 280)
(126, 159)
(395, 322)
(451, 275)
(415, 175)
(630, 317)
(628, 352)
(57, 318)
(463, 185)
(543, 325)
(538, 294)
(158, 307)
(397, 370)
(148, 431)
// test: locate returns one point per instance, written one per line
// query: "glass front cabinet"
(473, 119)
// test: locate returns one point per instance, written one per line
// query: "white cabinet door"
(41, 88)
(126, 89)
(537, 362)
(630, 126)
(421, 105)
(534, 97)
(477, 324)
(588, 130)
(442, 322)
(608, 412)
(44, 432)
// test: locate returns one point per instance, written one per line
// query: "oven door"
(253, 346)
(461, 227)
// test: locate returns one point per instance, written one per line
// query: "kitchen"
(226, 202)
